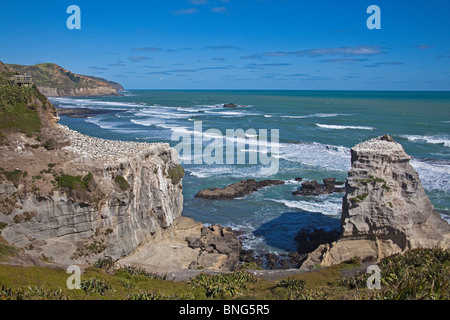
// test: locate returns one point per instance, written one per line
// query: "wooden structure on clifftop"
(23, 80)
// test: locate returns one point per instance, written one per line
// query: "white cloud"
(198, 2)
(219, 9)
(185, 11)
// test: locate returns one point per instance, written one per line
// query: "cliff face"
(55, 81)
(385, 209)
(111, 217)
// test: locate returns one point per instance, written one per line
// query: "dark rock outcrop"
(230, 105)
(236, 190)
(313, 188)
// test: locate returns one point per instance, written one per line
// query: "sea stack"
(385, 208)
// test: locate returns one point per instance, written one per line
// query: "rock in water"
(313, 188)
(236, 190)
(385, 209)
(230, 105)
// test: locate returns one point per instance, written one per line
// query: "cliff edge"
(55, 81)
(385, 208)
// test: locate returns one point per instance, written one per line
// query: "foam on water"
(316, 115)
(145, 122)
(97, 104)
(446, 217)
(433, 139)
(330, 206)
(102, 124)
(241, 113)
(319, 155)
(234, 171)
(337, 127)
(433, 175)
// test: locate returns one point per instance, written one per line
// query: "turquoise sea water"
(316, 131)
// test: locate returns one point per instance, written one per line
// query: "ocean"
(316, 131)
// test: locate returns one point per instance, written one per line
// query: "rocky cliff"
(69, 198)
(55, 81)
(79, 199)
(96, 198)
(385, 208)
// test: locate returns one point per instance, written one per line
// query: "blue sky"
(237, 44)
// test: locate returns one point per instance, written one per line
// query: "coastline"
(158, 115)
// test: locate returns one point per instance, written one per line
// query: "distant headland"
(55, 81)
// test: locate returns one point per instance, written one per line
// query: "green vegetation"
(176, 174)
(104, 263)
(19, 106)
(19, 117)
(35, 293)
(6, 251)
(95, 285)
(359, 198)
(223, 285)
(422, 274)
(95, 247)
(78, 188)
(122, 183)
(13, 176)
(135, 271)
(417, 274)
(68, 182)
(36, 177)
(291, 283)
(151, 295)
(372, 179)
